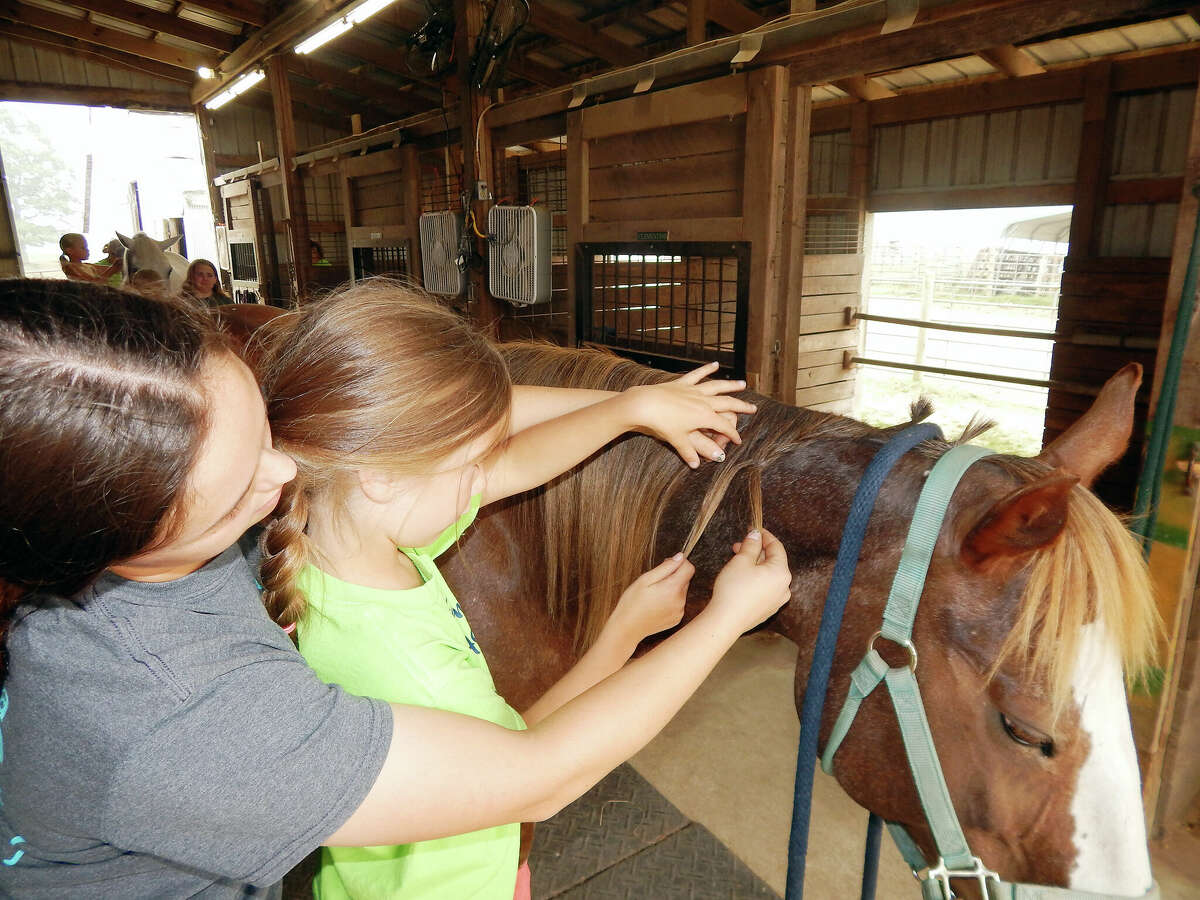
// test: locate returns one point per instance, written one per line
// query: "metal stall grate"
(441, 186)
(830, 228)
(391, 261)
(536, 174)
(241, 257)
(673, 305)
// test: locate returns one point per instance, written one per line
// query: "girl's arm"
(532, 405)
(678, 412)
(449, 774)
(653, 603)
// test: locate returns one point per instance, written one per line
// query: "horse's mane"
(597, 523)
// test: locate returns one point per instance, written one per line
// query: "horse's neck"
(806, 499)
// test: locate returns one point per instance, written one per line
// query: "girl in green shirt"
(403, 422)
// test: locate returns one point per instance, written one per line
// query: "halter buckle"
(906, 644)
(940, 875)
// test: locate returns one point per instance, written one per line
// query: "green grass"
(884, 398)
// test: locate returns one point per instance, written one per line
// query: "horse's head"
(144, 252)
(1035, 600)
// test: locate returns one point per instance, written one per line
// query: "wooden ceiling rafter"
(102, 36)
(161, 22)
(861, 87)
(1011, 61)
(585, 36)
(239, 10)
(77, 49)
(375, 92)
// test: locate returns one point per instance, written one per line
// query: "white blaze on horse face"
(1110, 831)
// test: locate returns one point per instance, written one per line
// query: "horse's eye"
(1027, 737)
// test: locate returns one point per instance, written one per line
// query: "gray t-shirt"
(167, 740)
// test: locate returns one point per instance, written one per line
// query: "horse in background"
(144, 252)
(1036, 599)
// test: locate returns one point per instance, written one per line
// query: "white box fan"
(441, 233)
(519, 253)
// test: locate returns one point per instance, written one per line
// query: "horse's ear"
(128, 242)
(1026, 520)
(1101, 434)
(163, 245)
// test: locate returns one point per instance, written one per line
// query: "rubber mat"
(624, 841)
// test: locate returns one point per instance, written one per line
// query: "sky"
(972, 228)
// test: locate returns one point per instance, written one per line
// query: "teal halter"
(955, 859)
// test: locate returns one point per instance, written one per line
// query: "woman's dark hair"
(102, 417)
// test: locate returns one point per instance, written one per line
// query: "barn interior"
(700, 178)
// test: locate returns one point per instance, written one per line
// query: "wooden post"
(208, 153)
(294, 209)
(411, 175)
(477, 160)
(348, 213)
(762, 211)
(577, 212)
(1095, 150)
(356, 123)
(697, 21)
(794, 228)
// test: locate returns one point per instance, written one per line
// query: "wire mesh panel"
(241, 258)
(674, 305)
(536, 174)
(391, 261)
(831, 229)
(441, 183)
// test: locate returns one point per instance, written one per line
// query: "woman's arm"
(448, 774)
(653, 603)
(679, 412)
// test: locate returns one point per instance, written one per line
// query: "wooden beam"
(166, 23)
(240, 10)
(106, 37)
(86, 95)
(295, 210)
(860, 87)
(733, 16)
(536, 73)
(212, 163)
(585, 37)
(385, 58)
(941, 32)
(792, 235)
(972, 198)
(697, 21)
(1091, 172)
(375, 92)
(1011, 61)
(76, 49)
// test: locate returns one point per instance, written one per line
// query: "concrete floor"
(728, 762)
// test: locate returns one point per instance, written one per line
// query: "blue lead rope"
(822, 662)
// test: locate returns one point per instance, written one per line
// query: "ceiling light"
(205, 72)
(324, 36)
(238, 87)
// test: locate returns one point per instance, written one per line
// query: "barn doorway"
(99, 170)
(960, 306)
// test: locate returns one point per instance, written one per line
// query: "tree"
(42, 184)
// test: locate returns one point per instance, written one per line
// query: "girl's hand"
(689, 413)
(754, 584)
(653, 603)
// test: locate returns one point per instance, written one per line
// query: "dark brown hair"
(103, 415)
(377, 376)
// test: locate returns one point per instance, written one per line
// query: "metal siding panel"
(1033, 138)
(1180, 103)
(1001, 141)
(7, 71)
(1064, 141)
(1162, 229)
(969, 150)
(887, 154)
(912, 163)
(1136, 133)
(941, 153)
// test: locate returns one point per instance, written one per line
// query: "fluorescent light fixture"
(324, 36)
(361, 13)
(238, 87)
(338, 27)
(205, 72)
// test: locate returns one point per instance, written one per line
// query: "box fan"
(441, 233)
(519, 253)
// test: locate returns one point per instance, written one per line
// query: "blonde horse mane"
(597, 523)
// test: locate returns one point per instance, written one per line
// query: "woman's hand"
(653, 603)
(694, 416)
(755, 583)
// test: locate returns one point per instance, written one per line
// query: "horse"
(144, 252)
(1036, 600)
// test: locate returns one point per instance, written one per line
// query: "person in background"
(203, 285)
(74, 251)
